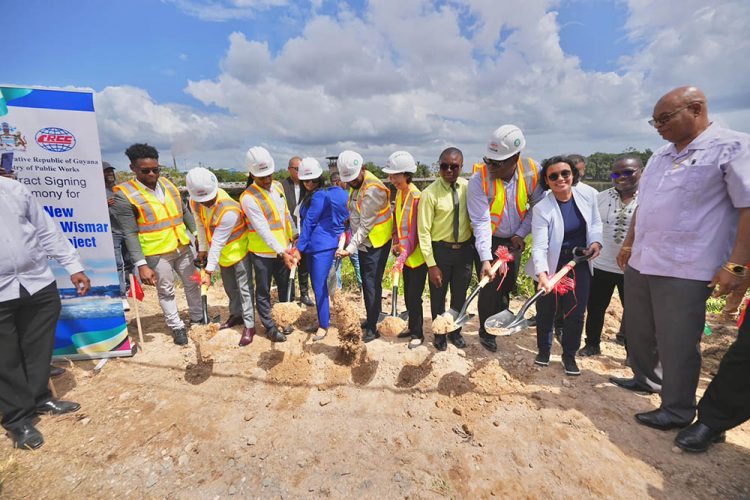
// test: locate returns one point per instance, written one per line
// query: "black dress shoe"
(488, 341)
(698, 437)
(406, 334)
(369, 336)
(55, 371)
(590, 350)
(457, 340)
(659, 419)
(27, 437)
(416, 342)
(288, 330)
(542, 359)
(230, 322)
(57, 407)
(274, 335)
(305, 299)
(440, 342)
(570, 365)
(180, 336)
(631, 384)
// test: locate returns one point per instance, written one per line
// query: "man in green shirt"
(446, 240)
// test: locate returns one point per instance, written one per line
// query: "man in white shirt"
(29, 308)
(271, 232)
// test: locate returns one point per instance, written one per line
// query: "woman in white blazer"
(567, 217)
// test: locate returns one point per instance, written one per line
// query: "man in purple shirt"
(690, 235)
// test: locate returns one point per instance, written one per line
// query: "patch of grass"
(715, 305)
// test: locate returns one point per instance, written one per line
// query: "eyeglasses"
(497, 163)
(294, 168)
(624, 173)
(564, 174)
(154, 170)
(665, 118)
(446, 166)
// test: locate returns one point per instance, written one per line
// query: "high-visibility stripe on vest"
(160, 225)
(236, 247)
(404, 211)
(382, 230)
(281, 228)
(494, 189)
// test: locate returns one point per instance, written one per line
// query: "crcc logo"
(57, 140)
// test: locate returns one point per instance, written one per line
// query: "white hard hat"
(309, 169)
(400, 162)
(350, 165)
(259, 161)
(201, 184)
(505, 142)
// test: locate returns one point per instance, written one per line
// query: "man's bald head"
(681, 115)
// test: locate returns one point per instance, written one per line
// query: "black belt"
(453, 245)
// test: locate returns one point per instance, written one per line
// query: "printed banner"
(49, 139)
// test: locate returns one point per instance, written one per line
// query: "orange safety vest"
(160, 225)
(236, 247)
(382, 232)
(404, 207)
(494, 189)
(281, 229)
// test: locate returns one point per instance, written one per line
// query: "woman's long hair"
(321, 184)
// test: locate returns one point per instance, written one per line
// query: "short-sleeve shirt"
(688, 205)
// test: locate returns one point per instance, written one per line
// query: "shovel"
(331, 280)
(394, 301)
(461, 317)
(204, 302)
(506, 323)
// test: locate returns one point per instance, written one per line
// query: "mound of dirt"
(443, 324)
(391, 326)
(286, 313)
(201, 335)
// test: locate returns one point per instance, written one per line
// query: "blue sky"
(211, 78)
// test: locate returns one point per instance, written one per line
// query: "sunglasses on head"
(624, 173)
(446, 166)
(564, 174)
(154, 170)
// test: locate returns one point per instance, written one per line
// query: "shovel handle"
(562, 272)
(495, 266)
(204, 287)
(342, 241)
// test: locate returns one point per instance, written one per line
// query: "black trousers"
(603, 283)
(372, 266)
(571, 305)
(266, 269)
(27, 337)
(492, 300)
(414, 280)
(726, 402)
(455, 264)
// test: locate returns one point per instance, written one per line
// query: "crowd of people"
(665, 236)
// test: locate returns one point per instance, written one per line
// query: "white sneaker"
(125, 305)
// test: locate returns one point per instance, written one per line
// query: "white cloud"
(224, 10)
(413, 74)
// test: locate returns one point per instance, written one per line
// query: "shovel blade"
(404, 315)
(463, 319)
(503, 319)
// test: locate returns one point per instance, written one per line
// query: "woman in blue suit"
(322, 215)
(564, 219)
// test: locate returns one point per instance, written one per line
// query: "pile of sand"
(443, 324)
(346, 320)
(286, 313)
(391, 326)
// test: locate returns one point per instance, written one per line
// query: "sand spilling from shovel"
(347, 322)
(443, 324)
(200, 335)
(286, 313)
(391, 326)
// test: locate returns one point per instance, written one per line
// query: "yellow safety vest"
(404, 208)
(494, 189)
(160, 225)
(236, 247)
(382, 232)
(281, 229)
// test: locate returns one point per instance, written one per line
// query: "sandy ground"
(298, 419)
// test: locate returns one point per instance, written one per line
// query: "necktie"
(455, 212)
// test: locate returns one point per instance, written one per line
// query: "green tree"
(375, 170)
(423, 171)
